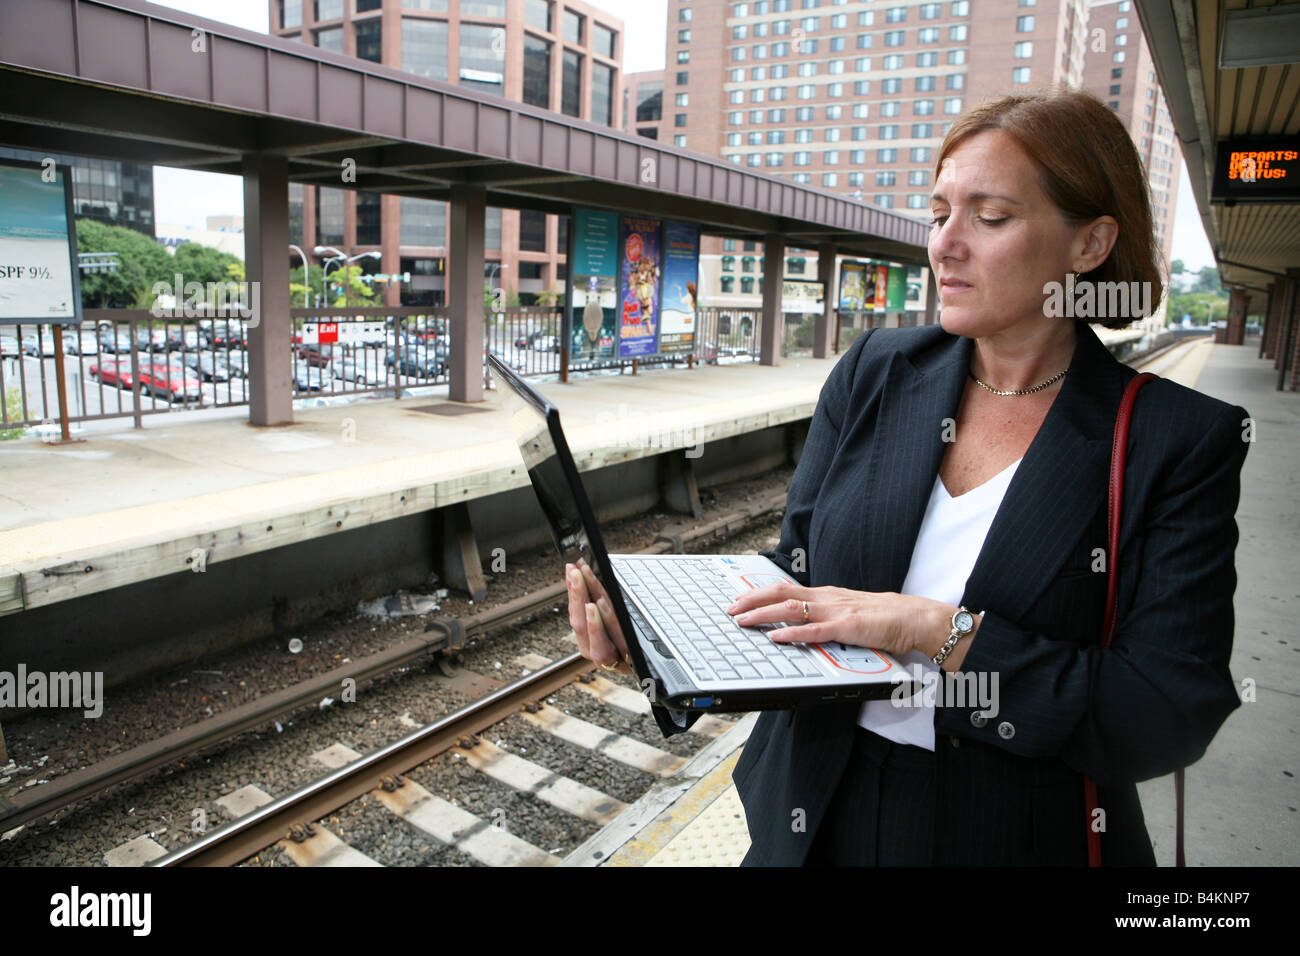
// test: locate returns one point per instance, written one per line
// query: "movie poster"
(681, 271)
(896, 290)
(38, 281)
(639, 288)
(853, 289)
(882, 285)
(595, 280)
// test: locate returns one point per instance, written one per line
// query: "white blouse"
(952, 533)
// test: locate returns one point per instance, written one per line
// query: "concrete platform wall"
(156, 624)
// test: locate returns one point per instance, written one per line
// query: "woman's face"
(996, 239)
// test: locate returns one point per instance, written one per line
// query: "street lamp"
(337, 255)
(306, 275)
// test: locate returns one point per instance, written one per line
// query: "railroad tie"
(553, 788)
(323, 848)
(625, 750)
(487, 843)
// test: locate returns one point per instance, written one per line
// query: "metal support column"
(772, 334)
(465, 291)
(266, 257)
(931, 298)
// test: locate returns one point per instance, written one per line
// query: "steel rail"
(441, 635)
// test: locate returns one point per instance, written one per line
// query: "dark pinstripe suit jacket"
(1145, 707)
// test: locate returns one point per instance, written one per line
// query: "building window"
(682, 78)
(328, 10)
(885, 179)
(855, 179)
(956, 57)
(602, 94)
(961, 8)
(896, 14)
(570, 84)
(679, 120)
(955, 81)
(886, 156)
(920, 154)
(927, 35)
(1023, 50)
(679, 141)
(369, 40)
(1117, 73)
(1020, 74)
(776, 116)
(894, 62)
(1025, 24)
(424, 222)
(332, 40)
(923, 107)
(889, 131)
(927, 59)
(803, 158)
(572, 26)
(957, 33)
(924, 84)
(532, 230)
(918, 177)
(857, 157)
(683, 56)
(481, 8)
(831, 157)
(917, 201)
(864, 41)
(866, 18)
(684, 36)
(829, 181)
(931, 11)
(537, 71)
(775, 137)
(290, 14)
(683, 99)
(329, 216)
(727, 283)
(885, 201)
(775, 159)
(922, 130)
(684, 14)
(736, 96)
(894, 37)
(1118, 57)
(952, 105)
(537, 13)
(747, 285)
(806, 91)
(649, 102)
(803, 136)
(740, 32)
(482, 59)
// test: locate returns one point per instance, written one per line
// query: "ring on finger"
(805, 612)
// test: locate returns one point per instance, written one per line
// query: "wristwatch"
(963, 622)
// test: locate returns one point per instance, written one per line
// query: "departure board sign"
(1257, 170)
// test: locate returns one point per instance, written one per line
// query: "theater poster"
(38, 245)
(595, 284)
(853, 289)
(896, 290)
(639, 287)
(882, 285)
(681, 270)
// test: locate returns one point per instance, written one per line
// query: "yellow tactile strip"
(705, 827)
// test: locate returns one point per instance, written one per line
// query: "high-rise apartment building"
(554, 54)
(856, 97)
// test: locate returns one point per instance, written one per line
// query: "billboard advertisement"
(639, 287)
(681, 274)
(38, 245)
(595, 284)
(853, 287)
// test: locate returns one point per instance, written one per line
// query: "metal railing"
(723, 333)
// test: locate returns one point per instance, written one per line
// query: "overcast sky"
(188, 198)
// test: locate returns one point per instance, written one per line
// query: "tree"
(1207, 280)
(199, 263)
(141, 264)
(1177, 268)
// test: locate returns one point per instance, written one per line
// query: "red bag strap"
(1118, 454)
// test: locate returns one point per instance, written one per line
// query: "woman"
(949, 508)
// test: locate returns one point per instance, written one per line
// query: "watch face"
(963, 620)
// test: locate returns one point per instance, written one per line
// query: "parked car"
(171, 382)
(118, 343)
(235, 364)
(151, 341)
(317, 356)
(206, 367)
(223, 333)
(84, 343)
(308, 378)
(545, 343)
(417, 365)
(350, 370)
(183, 340)
(112, 373)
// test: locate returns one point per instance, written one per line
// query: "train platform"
(133, 504)
(695, 817)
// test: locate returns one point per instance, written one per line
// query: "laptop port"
(702, 701)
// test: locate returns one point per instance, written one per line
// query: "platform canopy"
(129, 80)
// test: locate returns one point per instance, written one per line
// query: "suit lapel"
(1055, 491)
(1053, 495)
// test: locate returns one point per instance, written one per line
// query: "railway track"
(263, 820)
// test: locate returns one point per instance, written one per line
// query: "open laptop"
(687, 652)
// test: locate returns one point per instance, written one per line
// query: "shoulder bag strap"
(1119, 449)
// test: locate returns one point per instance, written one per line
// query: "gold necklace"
(1018, 391)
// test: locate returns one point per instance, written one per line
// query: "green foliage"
(509, 296)
(141, 263)
(198, 263)
(13, 412)
(1207, 280)
(1177, 267)
(1201, 306)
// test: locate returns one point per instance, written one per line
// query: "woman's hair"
(1088, 166)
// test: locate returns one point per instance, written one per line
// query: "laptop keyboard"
(688, 600)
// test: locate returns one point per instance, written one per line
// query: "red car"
(171, 382)
(112, 373)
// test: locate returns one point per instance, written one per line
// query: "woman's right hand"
(592, 617)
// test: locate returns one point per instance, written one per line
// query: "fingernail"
(732, 609)
(603, 604)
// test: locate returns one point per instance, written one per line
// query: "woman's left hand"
(881, 620)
